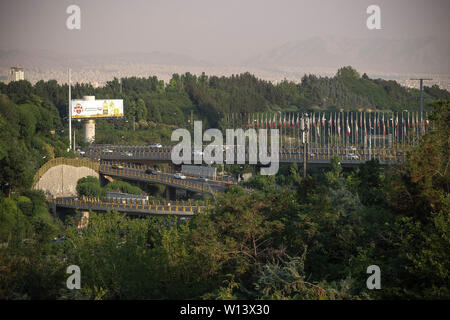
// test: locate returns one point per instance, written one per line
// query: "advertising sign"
(97, 108)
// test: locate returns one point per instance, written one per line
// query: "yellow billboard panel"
(97, 108)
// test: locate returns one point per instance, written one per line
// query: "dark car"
(151, 171)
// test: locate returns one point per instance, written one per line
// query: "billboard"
(97, 108)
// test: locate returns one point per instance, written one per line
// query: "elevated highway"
(315, 156)
(191, 184)
(135, 207)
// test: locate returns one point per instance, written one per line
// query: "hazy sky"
(217, 31)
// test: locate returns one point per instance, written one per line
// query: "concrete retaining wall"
(61, 180)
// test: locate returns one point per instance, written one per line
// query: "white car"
(107, 151)
(353, 156)
(156, 145)
(179, 176)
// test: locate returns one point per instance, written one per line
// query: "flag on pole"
(396, 125)
(357, 129)
(339, 125)
(404, 131)
(348, 127)
(417, 122)
(365, 127)
(308, 125)
(318, 127)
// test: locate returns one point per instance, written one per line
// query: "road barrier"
(132, 206)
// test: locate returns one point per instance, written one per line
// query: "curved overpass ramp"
(59, 177)
(130, 173)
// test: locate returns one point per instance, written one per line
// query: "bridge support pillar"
(53, 210)
(171, 193)
(89, 131)
(103, 180)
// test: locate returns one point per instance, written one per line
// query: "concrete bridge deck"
(138, 207)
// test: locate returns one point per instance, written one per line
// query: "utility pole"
(421, 96)
(70, 112)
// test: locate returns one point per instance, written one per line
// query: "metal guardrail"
(131, 206)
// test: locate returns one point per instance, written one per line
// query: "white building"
(16, 74)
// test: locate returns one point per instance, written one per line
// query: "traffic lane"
(210, 181)
(129, 172)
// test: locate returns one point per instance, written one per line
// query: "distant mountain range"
(397, 59)
(420, 55)
(47, 59)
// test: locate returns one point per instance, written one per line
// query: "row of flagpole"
(363, 129)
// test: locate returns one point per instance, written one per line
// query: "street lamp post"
(70, 109)
(421, 97)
